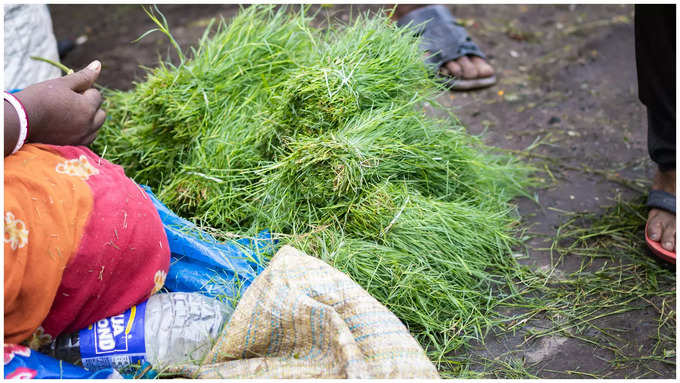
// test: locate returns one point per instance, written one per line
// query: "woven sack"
(302, 318)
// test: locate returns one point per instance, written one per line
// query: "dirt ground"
(567, 87)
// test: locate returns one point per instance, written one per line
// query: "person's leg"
(661, 223)
(655, 58)
(466, 67)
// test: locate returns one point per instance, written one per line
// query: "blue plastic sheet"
(199, 263)
(23, 363)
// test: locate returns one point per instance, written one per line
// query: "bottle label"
(114, 342)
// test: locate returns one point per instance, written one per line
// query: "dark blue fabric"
(201, 264)
(660, 199)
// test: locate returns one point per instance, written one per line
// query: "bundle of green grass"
(322, 136)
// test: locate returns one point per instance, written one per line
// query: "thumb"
(83, 79)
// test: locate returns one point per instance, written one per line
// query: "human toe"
(454, 69)
(654, 225)
(668, 237)
(483, 68)
(469, 70)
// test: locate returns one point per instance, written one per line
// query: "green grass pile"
(322, 136)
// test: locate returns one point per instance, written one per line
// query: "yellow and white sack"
(302, 318)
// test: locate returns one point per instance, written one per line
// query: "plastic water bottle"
(166, 329)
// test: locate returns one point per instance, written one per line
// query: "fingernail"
(668, 246)
(654, 236)
(94, 65)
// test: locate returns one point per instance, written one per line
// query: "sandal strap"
(660, 199)
(443, 37)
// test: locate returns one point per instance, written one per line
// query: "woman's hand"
(66, 110)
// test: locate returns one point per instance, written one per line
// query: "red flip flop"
(658, 250)
(660, 199)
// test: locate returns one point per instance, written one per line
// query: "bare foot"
(467, 67)
(661, 223)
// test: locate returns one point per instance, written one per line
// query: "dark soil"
(567, 80)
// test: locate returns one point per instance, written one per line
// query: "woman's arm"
(11, 128)
(62, 111)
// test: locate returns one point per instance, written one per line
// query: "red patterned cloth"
(84, 242)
